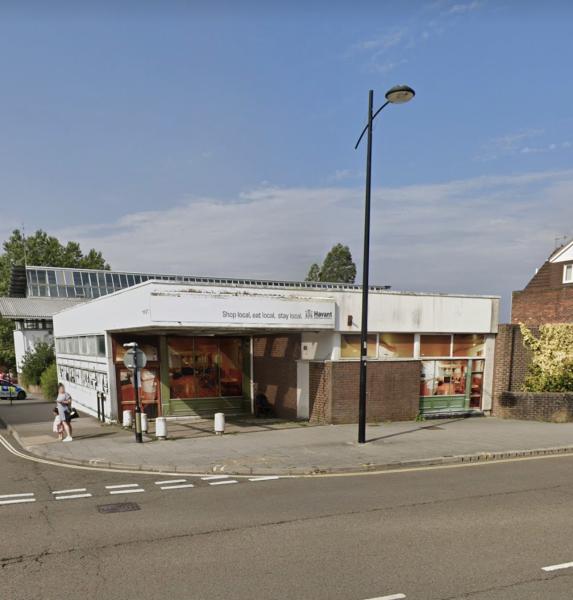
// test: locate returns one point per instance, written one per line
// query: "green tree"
(338, 267)
(42, 249)
(49, 382)
(7, 354)
(313, 273)
(36, 361)
(551, 367)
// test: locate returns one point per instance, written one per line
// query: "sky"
(217, 138)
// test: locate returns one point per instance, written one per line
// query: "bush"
(49, 382)
(36, 362)
(551, 368)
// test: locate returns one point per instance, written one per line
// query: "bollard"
(219, 423)
(143, 422)
(127, 419)
(161, 428)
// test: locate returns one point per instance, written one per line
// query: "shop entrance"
(207, 374)
(186, 375)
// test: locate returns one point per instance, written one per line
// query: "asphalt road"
(482, 532)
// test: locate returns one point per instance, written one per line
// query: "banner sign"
(241, 310)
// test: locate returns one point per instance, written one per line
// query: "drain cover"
(118, 507)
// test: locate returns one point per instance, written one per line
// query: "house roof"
(35, 308)
(563, 253)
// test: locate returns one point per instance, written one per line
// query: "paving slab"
(285, 448)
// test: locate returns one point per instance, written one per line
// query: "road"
(482, 532)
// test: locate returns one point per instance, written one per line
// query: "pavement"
(260, 447)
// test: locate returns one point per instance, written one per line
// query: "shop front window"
(469, 345)
(396, 345)
(443, 378)
(205, 367)
(435, 345)
(350, 346)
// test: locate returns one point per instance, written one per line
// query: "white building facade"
(213, 347)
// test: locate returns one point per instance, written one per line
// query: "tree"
(36, 361)
(338, 267)
(551, 368)
(7, 354)
(42, 249)
(313, 273)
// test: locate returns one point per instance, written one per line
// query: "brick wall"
(546, 406)
(275, 371)
(511, 362)
(319, 386)
(393, 391)
(535, 306)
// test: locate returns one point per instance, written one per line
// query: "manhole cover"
(118, 507)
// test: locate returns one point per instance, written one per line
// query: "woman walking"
(63, 403)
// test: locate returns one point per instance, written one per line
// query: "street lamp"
(399, 94)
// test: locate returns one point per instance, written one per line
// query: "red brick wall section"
(275, 371)
(538, 306)
(319, 376)
(511, 363)
(555, 407)
(393, 391)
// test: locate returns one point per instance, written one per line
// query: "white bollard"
(143, 422)
(127, 419)
(161, 428)
(219, 423)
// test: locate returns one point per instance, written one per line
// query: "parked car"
(11, 390)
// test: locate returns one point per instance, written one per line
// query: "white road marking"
(558, 567)
(122, 485)
(69, 491)
(177, 487)
(17, 495)
(224, 482)
(265, 478)
(170, 481)
(391, 597)
(129, 491)
(73, 496)
(215, 477)
(21, 500)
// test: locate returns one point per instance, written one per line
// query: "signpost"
(135, 360)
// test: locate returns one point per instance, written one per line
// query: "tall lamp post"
(399, 94)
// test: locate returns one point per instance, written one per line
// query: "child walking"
(58, 426)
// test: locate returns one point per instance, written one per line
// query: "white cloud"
(518, 143)
(480, 235)
(459, 9)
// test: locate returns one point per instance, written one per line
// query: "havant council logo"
(317, 314)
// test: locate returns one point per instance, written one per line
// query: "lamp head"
(400, 94)
(130, 345)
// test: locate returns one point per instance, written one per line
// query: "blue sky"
(217, 138)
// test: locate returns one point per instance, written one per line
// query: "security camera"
(130, 345)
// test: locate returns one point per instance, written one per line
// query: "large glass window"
(435, 345)
(350, 346)
(205, 367)
(469, 345)
(568, 274)
(396, 345)
(443, 378)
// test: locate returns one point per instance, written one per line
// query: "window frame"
(570, 268)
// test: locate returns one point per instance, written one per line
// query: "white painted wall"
(164, 304)
(25, 340)
(302, 390)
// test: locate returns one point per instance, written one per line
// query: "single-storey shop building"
(215, 346)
